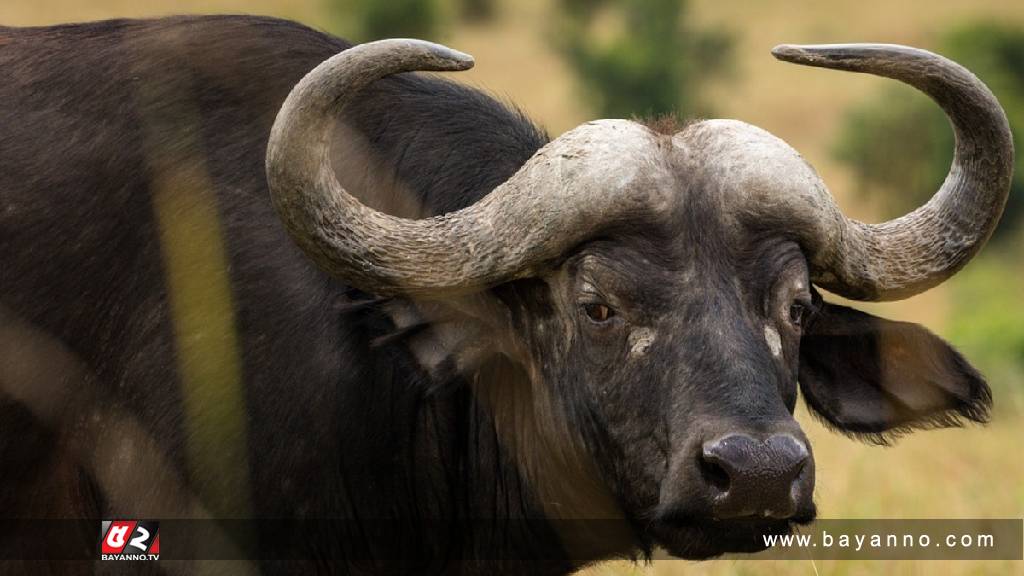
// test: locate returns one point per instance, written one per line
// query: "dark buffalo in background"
(593, 349)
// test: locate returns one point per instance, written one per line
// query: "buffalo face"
(679, 373)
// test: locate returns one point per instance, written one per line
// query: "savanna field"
(977, 472)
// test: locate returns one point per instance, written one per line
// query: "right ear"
(868, 375)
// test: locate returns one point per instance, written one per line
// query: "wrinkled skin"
(648, 398)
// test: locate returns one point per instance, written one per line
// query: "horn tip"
(466, 61)
(790, 53)
(454, 60)
(459, 60)
(438, 57)
(451, 59)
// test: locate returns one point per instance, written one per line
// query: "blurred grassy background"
(977, 472)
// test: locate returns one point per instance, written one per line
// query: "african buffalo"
(508, 353)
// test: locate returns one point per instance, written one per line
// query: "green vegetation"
(365, 20)
(988, 321)
(655, 64)
(900, 144)
(477, 10)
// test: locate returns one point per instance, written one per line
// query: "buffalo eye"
(798, 313)
(598, 312)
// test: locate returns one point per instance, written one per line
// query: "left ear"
(868, 375)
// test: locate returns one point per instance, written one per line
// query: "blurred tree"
(655, 63)
(987, 323)
(899, 144)
(477, 10)
(365, 20)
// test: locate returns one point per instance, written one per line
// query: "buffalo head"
(661, 287)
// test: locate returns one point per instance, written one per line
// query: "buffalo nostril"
(714, 474)
(753, 477)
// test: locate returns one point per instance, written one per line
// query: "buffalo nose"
(751, 477)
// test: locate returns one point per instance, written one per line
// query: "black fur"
(338, 428)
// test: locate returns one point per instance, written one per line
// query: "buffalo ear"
(877, 378)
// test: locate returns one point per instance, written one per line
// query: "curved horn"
(908, 255)
(564, 194)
